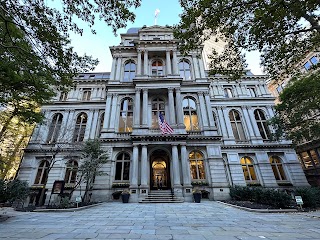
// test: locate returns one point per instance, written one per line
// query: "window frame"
(42, 173)
(80, 128)
(156, 111)
(122, 158)
(262, 124)
(188, 112)
(183, 70)
(277, 168)
(54, 128)
(86, 94)
(131, 72)
(238, 125)
(246, 167)
(198, 162)
(156, 68)
(71, 172)
(127, 112)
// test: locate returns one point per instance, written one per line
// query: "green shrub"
(310, 196)
(14, 190)
(261, 195)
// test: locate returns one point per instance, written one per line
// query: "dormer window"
(157, 68)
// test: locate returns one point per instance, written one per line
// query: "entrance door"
(160, 177)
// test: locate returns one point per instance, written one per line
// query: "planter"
(125, 198)
(197, 197)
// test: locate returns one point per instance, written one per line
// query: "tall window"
(252, 91)
(196, 165)
(63, 96)
(126, 115)
(129, 71)
(184, 68)
(122, 167)
(157, 107)
(228, 93)
(80, 128)
(42, 173)
(277, 168)
(54, 128)
(190, 114)
(248, 169)
(236, 125)
(71, 172)
(86, 94)
(262, 124)
(101, 120)
(157, 68)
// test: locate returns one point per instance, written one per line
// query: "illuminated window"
(129, 71)
(86, 94)
(197, 166)
(71, 172)
(190, 114)
(262, 124)
(54, 128)
(157, 68)
(126, 115)
(277, 168)
(122, 167)
(236, 125)
(80, 128)
(157, 108)
(42, 173)
(184, 68)
(248, 169)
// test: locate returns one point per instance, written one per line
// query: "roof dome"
(133, 30)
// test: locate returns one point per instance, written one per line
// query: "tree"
(92, 159)
(14, 190)
(35, 51)
(283, 31)
(298, 114)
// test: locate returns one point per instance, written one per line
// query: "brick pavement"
(186, 221)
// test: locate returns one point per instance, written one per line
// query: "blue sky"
(98, 45)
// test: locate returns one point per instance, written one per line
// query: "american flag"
(164, 126)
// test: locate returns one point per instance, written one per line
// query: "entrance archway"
(159, 170)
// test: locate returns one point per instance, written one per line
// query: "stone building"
(308, 151)
(220, 137)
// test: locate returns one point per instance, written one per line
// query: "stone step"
(161, 196)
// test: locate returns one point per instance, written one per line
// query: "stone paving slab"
(183, 221)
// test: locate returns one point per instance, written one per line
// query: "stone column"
(175, 62)
(145, 107)
(202, 72)
(209, 109)
(171, 107)
(118, 72)
(135, 167)
(139, 63)
(144, 167)
(113, 112)
(168, 62)
(228, 123)
(145, 62)
(175, 166)
(222, 122)
(137, 109)
(69, 130)
(94, 124)
(185, 167)
(195, 66)
(203, 110)
(248, 121)
(179, 110)
(107, 111)
(113, 68)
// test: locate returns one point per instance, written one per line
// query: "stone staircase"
(161, 196)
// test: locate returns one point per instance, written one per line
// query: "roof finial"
(156, 13)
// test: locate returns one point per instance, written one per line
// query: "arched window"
(248, 169)
(71, 172)
(277, 168)
(129, 71)
(157, 68)
(100, 126)
(236, 125)
(80, 128)
(262, 124)
(228, 93)
(126, 115)
(63, 96)
(54, 128)
(190, 114)
(42, 173)
(184, 68)
(157, 108)
(196, 165)
(122, 167)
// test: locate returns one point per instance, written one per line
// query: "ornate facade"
(220, 136)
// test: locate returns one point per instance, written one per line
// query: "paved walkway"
(186, 221)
